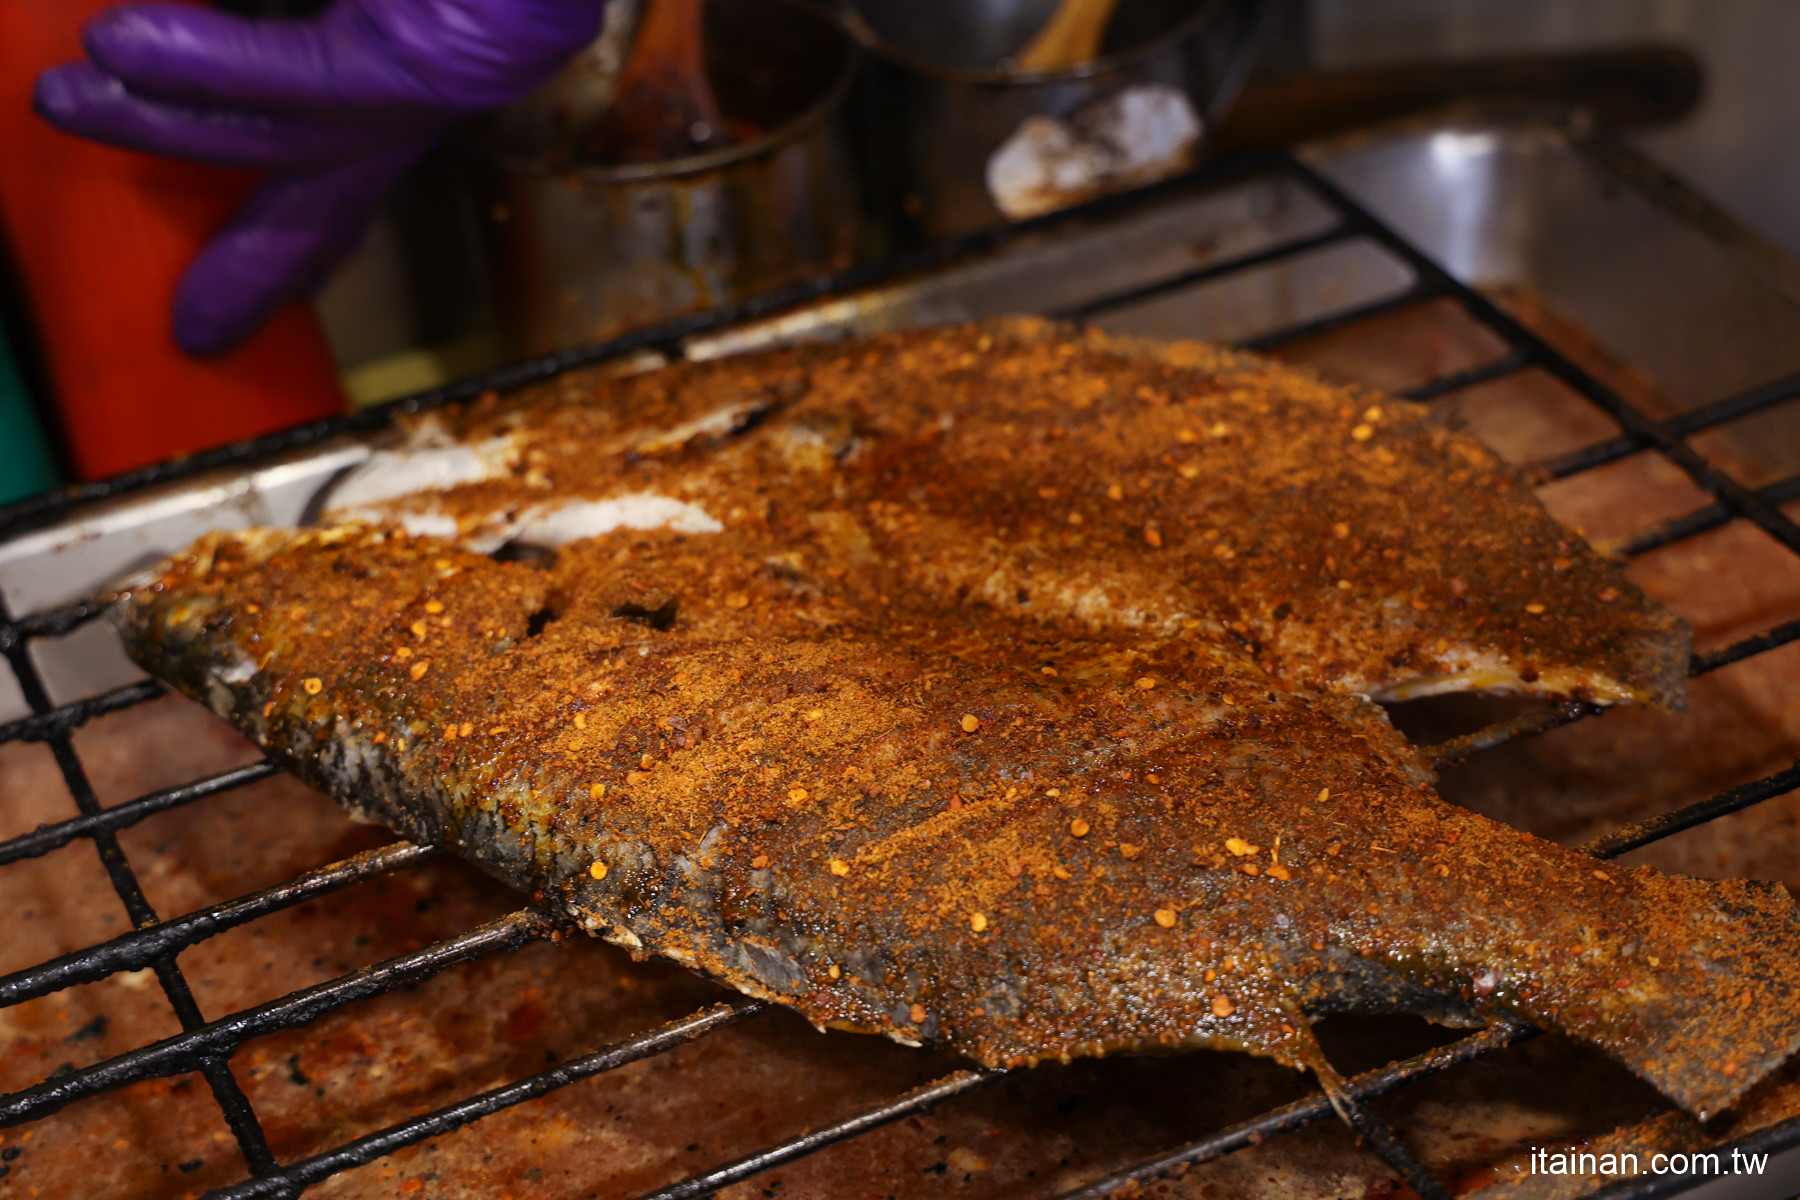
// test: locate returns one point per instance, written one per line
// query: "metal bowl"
(582, 252)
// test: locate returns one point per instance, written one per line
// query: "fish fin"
(1304, 1051)
(1707, 1029)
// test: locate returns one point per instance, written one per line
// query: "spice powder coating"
(1012, 693)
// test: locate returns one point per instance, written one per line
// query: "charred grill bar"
(206, 1047)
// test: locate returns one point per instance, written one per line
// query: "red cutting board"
(99, 237)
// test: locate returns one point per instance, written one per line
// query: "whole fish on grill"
(769, 714)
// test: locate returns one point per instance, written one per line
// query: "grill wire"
(207, 1046)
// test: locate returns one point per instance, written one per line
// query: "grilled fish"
(777, 725)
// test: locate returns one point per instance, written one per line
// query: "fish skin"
(776, 732)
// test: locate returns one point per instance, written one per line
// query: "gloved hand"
(334, 107)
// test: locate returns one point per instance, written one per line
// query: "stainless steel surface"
(583, 252)
(1739, 145)
(67, 562)
(944, 103)
(1696, 305)
(1528, 208)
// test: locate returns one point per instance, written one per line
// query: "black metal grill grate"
(206, 1047)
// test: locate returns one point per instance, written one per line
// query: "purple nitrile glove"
(335, 107)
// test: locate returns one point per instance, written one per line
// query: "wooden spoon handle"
(1070, 38)
(664, 105)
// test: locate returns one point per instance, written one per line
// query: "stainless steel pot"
(947, 98)
(583, 252)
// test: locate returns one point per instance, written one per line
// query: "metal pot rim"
(811, 118)
(852, 21)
